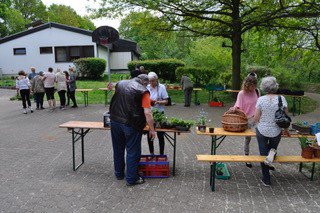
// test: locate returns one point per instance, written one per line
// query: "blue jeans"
(124, 137)
(265, 144)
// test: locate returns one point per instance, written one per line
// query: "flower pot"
(307, 152)
(211, 129)
(202, 128)
(182, 128)
(316, 153)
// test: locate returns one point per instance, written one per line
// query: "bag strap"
(280, 102)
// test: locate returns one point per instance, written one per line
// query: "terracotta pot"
(317, 153)
(307, 152)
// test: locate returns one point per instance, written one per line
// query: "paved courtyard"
(36, 169)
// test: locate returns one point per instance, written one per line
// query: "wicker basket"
(236, 121)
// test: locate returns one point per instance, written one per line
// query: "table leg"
(174, 153)
(106, 98)
(312, 171)
(294, 107)
(196, 101)
(213, 166)
(76, 136)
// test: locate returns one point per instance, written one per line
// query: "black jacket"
(126, 104)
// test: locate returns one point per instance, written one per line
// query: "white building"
(56, 45)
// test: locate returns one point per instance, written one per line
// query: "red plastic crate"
(215, 104)
(154, 166)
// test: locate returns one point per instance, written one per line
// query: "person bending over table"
(159, 98)
(267, 131)
(246, 101)
(130, 110)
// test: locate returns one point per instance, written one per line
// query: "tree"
(31, 10)
(66, 15)
(221, 18)
(146, 29)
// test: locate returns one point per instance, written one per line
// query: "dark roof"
(45, 26)
(121, 45)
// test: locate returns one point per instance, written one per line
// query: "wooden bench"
(254, 158)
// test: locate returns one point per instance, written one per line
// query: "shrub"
(90, 68)
(260, 70)
(201, 76)
(165, 68)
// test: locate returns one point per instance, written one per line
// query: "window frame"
(68, 49)
(19, 48)
(45, 52)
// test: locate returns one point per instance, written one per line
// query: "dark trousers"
(73, 97)
(62, 96)
(265, 144)
(25, 96)
(125, 138)
(39, 99)
(68, 96)
(187, 96)
(161, 143)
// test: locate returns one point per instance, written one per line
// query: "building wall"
(119, 60)
(11, 64)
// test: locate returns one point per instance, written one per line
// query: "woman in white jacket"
(23, 85)
(61, 80)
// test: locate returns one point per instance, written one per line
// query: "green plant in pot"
(202, 120)
(306, 149)
(180, 124)
(158, 117)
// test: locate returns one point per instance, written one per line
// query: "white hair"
(152, 75)
(269, 84)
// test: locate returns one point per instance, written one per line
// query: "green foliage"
(201, 76)
(155, 42)
(90, 68)
(260, 70)
(165, 68)
(304, 142)
(180, 122)
(66, 15)
(158, 116)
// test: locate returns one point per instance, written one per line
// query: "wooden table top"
(99, 125)
(84, 90)
(106, 89)
(219, 131)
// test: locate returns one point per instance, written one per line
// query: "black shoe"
(42, 108)
(249, 165)
(139, 181)
(74, 106)
(120, 178)
(186, 105)
(266, 184)
(271, 168)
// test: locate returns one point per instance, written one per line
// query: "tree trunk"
(236, 45)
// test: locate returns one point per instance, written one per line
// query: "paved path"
(36, 171)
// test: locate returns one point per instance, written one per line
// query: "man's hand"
(152, 134)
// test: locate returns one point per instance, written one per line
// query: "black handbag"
(281, 118)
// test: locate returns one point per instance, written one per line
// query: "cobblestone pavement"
(36, 170)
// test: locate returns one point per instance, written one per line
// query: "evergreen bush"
(90, 68)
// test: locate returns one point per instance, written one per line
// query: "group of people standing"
(44, 83)
(260, 110)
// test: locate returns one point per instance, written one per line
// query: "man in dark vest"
(130, 110)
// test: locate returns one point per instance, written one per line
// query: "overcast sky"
(80, 7)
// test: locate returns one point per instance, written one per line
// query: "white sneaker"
(24, 111)
(31, 109)
(269, 159)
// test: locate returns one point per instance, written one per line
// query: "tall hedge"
(90, 68)
(200, 76)
(165, 68)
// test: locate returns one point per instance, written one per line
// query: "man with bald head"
(130, 110)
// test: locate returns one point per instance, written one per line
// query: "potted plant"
(302, 128)
(180, 124)
(158, 117)
(307, 150)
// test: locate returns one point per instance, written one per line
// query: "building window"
(45, 50)
(19, 51)
(70, 53)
